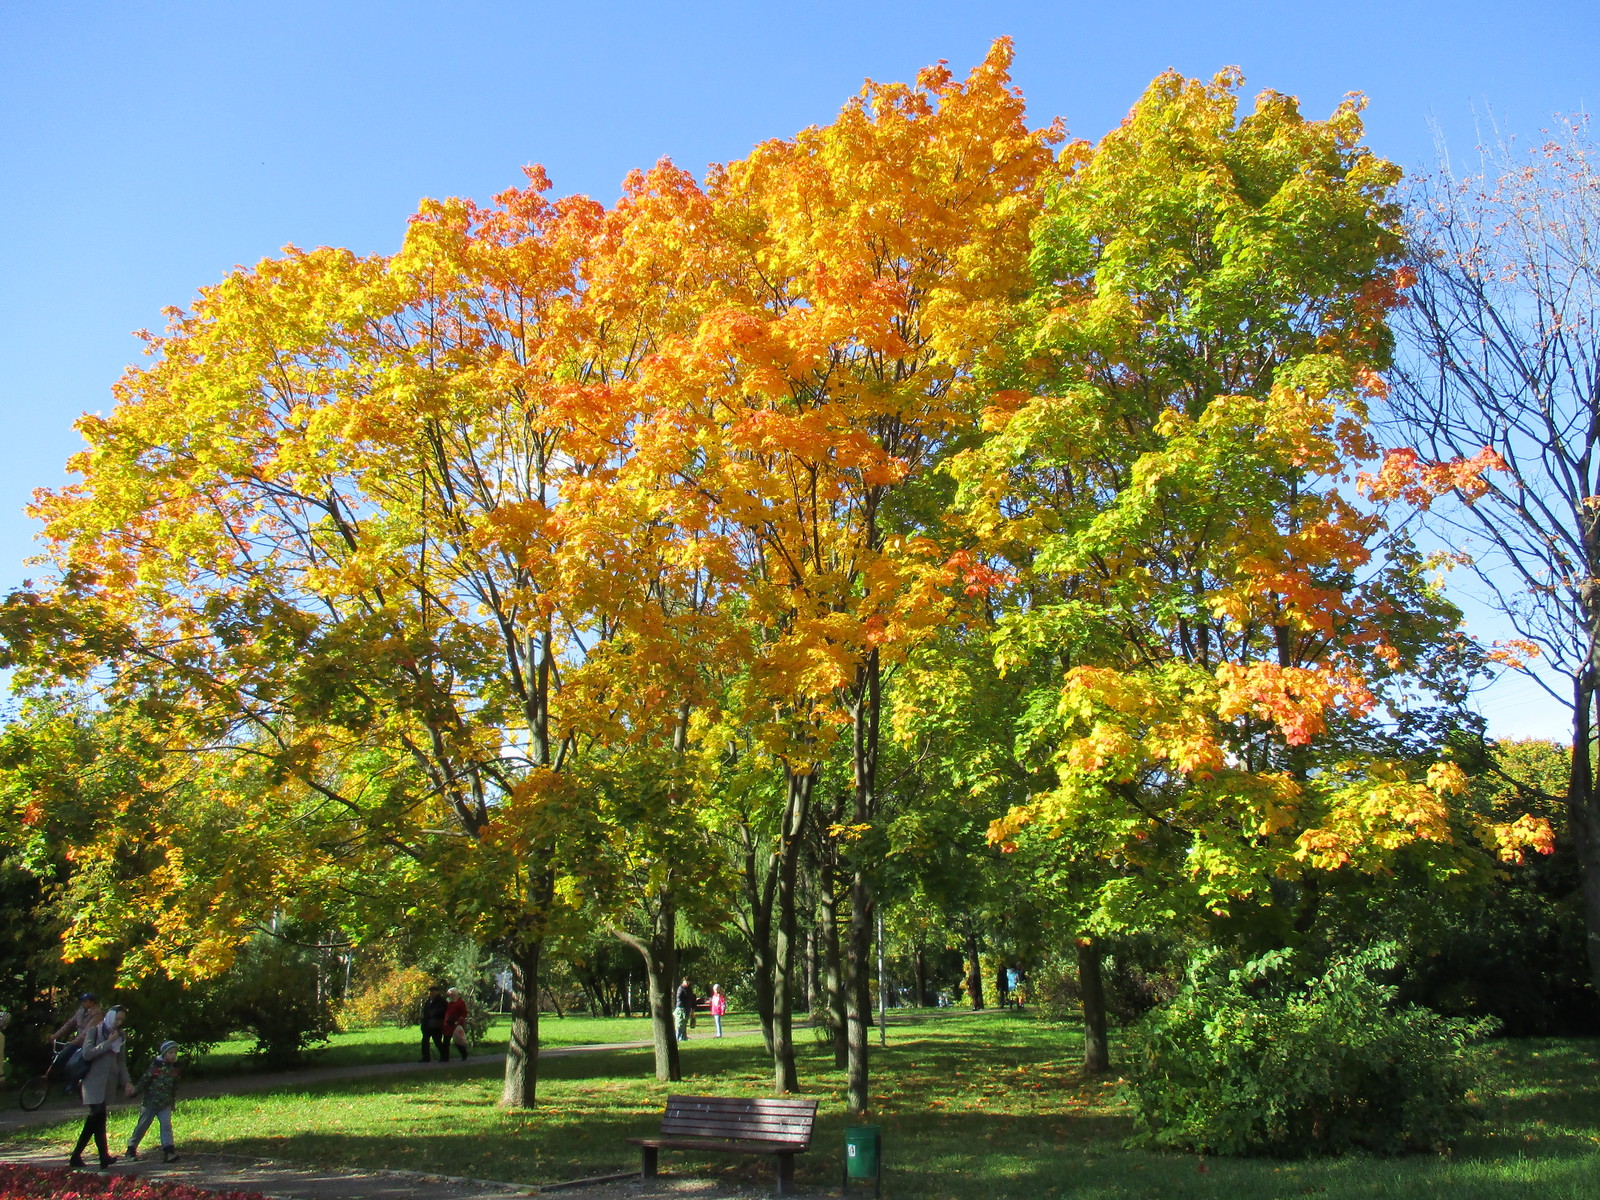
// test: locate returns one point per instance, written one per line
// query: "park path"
(298, 1181)
(59, 1110)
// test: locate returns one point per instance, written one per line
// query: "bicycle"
(37, 1090)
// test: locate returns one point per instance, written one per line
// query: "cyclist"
(89, 1013)
(70, 1039)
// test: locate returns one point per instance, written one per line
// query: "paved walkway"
(297, 1181)
(60, 1108)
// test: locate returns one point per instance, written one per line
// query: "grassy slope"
(985, 1107)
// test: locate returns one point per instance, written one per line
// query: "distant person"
(108, 1067)
(455, 1023)
(685, 1009)
(5, 1023)
(158, 1085)
(433, 1009)
(719, 1005)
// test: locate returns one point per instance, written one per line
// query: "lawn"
(971, 1107)
(389, 1043)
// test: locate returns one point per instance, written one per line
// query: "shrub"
(1256, 1061)
(271, 992)
(393, 998)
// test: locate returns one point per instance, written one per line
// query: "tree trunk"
(867, 710)
(1583, 812)
(760, 895)
(1096, 1047)
(858, 994)
(828, 933)
(784, 1078)
(919, 975)
(1000, 989)
(974, 969)
(811, 967)
(521, 1086)
(660, 955)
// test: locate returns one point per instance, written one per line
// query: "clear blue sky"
(149, 147)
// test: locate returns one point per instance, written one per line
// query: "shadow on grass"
(969, 1110)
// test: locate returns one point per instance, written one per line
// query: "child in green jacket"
(159, 1085)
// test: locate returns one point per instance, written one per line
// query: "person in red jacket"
(455, 1023)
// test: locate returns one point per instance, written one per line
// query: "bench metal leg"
(647, 1161)
(785, 1174)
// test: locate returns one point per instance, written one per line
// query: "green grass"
(396, 1044)
(987, 1107)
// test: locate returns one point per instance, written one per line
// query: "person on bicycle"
(78, 1023)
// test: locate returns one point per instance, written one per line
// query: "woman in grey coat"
(108, 1067)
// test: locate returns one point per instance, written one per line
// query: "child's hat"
(168, 1045)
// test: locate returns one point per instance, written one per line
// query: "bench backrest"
(760, 1119)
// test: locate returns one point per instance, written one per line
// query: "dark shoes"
(131, 1154)
(169, 1154)
(106, 1163)
(77, 1164)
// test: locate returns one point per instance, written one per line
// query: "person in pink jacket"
(719, 1005)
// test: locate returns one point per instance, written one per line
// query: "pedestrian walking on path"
(433, 1024)
(685, 1009)
(719, 1005)
(108, 1068)
(455, 1024)
(159, 1085)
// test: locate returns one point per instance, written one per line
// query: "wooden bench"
(733, 1125)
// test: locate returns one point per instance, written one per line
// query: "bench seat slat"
(721, 1145)
(738, 1133)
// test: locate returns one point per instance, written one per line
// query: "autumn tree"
(1170, 491)
(878, 261)
(338, 521)
(1501, 342)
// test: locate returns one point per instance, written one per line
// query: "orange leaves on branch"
(1407, 477)
(1297, 700)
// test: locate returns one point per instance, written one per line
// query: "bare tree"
(1500, 348)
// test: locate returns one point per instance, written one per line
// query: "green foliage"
(272, 993)
(1256, 1060)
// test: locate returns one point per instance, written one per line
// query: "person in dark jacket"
(433, 1009)
(685, 1008)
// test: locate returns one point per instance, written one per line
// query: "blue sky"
(149, 147)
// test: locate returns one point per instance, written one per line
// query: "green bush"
(271, 992)
(1257, 1060)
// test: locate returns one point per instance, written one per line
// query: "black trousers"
(434, 1037)
(94, 1126)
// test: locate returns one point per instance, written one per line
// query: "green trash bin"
(863, 1156)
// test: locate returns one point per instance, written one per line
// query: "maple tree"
(339, 521)
(1208, 599)
(877, 261)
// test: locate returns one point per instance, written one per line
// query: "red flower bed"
(21, 1182)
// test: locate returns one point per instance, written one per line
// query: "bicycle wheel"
(34, 1092)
